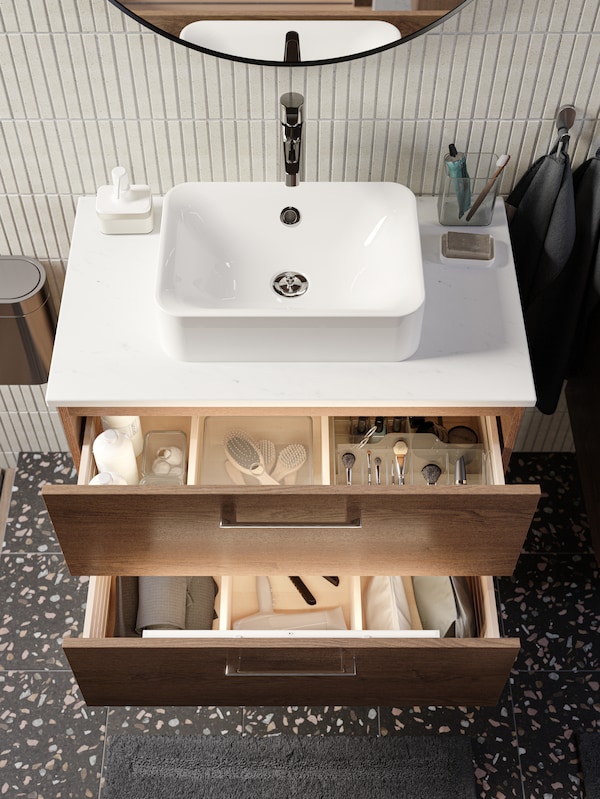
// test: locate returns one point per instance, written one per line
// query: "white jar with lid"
(129, 426)
(108, 479)
(114, 452)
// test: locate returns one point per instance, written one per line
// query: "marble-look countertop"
(473, 351)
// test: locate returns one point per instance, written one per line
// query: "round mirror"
(290, 32)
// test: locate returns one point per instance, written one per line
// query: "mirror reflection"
(290, 31)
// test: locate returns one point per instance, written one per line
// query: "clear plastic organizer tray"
(164, 457)
(285, 445)
(428, 461)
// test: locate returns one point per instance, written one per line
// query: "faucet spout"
(291, 51)
(292, 105)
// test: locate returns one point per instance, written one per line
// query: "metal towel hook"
(565, 119)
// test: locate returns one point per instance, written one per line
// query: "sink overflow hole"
(290, 216)
(290, 284)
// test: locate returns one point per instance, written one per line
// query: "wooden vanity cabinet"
(322, 528)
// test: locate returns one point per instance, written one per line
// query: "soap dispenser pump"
(124, 208)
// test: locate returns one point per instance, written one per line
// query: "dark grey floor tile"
(174, 720)
(492, 733)
(29, 528)
(328, 720)
(51, 744)
(552, 603)
(40, 603)
(550, 709)
(560, 523)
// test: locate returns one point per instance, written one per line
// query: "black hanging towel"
(586, 252)
(541, 212)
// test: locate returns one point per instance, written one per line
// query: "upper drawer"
(130, 530)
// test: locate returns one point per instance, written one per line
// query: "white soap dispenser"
(124, 208)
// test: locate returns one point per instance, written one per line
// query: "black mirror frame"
(258, 62)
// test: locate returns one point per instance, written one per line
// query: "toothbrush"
(456, 166)
(500, 164)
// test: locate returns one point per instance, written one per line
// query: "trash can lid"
(20, 278)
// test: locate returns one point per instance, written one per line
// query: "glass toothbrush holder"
(457, 195)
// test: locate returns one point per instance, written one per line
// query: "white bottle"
(114, 453)
(130, 426)
(108, 479)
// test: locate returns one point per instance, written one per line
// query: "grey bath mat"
(589, 755)
(253, 767)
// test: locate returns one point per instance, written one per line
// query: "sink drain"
(290, 215)
(290, 284)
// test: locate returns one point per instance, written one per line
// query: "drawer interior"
(436, 440)
(453, 446)
(237, 599)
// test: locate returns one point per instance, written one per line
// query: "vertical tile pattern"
(83, 88)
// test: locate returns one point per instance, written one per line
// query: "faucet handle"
(292, 104)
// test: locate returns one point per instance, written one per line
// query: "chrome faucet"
(291, 50)
(292, 105)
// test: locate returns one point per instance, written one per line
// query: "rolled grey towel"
(199, 613)
(126, 605)
(200, 606)
(162, 602)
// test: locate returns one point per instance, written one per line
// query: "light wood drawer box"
(470, 530)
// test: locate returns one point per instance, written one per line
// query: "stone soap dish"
(467, 248)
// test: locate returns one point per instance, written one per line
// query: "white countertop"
(473, 351)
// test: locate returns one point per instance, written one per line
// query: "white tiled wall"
(83, 88)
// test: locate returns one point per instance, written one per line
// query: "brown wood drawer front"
(405, 672)
(442, 530)
(216, 669)
(327, 529)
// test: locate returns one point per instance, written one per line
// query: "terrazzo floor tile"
(327, 720)
(552, 603)
(29, 528)
(550, 709)
(174, 720)
(491, 730)
(560, 523)
(51, 744)
(39, 603)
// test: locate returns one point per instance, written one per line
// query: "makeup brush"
(500, 164)
(348, 460)
(400, 449)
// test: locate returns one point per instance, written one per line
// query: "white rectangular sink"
(238, 282)
(264, 40)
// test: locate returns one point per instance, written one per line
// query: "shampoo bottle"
(129, 426)
(114, 453)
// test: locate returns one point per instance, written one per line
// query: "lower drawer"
(228, 667)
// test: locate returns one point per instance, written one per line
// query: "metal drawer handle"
(346, 669)
(229, 524)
